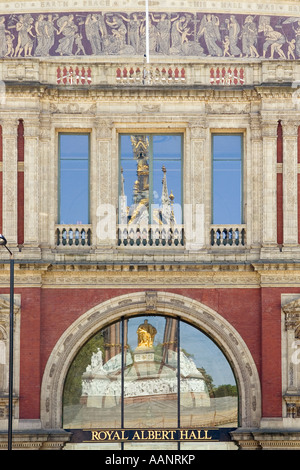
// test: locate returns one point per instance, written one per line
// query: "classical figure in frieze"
(274, 39)
(25, 35)
(209, 29)
(95, 30)
(163, 32)
(249, 37)
(3, 32)
(233, 34)
(68, 29)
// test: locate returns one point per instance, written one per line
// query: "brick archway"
(163, 303)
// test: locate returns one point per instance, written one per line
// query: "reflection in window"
(150, 181)
(151, 385)
(227, 178)
(73, 178)
(165, 374)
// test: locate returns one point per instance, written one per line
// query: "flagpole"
(147, 31)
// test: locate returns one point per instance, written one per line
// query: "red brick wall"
(47, 313)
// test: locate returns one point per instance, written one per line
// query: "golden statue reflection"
(146, 333)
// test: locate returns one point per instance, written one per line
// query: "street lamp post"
(3, 242)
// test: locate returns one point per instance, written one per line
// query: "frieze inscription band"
(170, 34)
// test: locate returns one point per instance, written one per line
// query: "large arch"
(192, 311)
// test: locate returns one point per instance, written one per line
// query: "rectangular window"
(227, 164)
(150, 179)
(73, 178)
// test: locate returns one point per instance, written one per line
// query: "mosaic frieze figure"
(170, 34)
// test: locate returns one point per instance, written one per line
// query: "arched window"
(150, 372)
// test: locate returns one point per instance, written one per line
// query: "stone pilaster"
(31, 182)
(46, 182)
(10, 183)
(103, 202)
(269, 156)
(290, 205)
(197, 185)
(254, 202)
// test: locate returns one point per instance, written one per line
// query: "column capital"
(269, 129)
(198, 129)
(103, 128)
(290, 128)
(9, 127)
(292, 315)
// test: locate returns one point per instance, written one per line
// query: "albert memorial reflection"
(150, 371)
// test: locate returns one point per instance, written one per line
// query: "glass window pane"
(167, 147)
(166, 206)
(227, 197)
(227, 179)
(94, 397)
(74, 187)
(92, 393)
(227, 147)
(150, 177)
(208, 392)
(135, 174)
(74, 146)
(150, 381)
(74, 179)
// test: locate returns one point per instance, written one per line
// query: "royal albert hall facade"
(150, 197)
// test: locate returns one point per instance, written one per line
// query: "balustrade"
(228, 235)
(73, 75)
(150, 75)
(78, 235)
(151, 235)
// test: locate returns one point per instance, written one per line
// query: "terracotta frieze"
(117, 33)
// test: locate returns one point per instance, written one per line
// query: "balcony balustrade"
(228, 235)
(151, 235)
(166, 236)
(73, 236)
